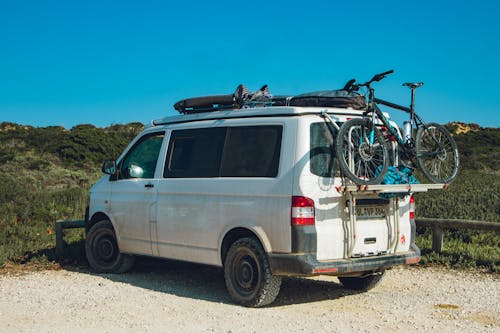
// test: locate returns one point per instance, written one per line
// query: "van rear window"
(322, 153)
(243, 151)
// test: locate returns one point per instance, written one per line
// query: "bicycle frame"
(415, 120)
(394, 132)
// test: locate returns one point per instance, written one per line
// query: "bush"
(45, 175)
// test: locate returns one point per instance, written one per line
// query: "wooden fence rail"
(438, 225)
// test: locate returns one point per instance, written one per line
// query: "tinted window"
(195, 153)
(322, 154)
(140, 161)
(252, 151)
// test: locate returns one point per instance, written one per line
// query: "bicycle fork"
(372, 130)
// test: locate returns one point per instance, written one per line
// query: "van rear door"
(371, 225)
(348, 224)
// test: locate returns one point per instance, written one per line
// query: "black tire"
(102, 250)
(437, 153)
(248, 275)
(362, 283)
(363, 164)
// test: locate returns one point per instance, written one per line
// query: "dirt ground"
(166, 296)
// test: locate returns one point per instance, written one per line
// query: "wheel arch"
(236, 233)
(98, 216)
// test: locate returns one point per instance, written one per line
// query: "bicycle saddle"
(413, 84)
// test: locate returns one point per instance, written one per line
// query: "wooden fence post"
(437, 239)
(59, 239)
(60, 226)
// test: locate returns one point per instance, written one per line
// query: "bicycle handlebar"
(387, 73)
(378, 77)
(351, 86)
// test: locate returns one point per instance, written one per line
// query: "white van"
(256, 191)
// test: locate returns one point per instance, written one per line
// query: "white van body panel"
(328, 210)
(192, 216)
(131, 211)
(193, 212)
(404, 235)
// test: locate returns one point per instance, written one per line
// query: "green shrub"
(45, 175)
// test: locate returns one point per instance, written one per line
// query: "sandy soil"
(166, 296)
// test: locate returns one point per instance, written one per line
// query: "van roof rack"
(243, 98)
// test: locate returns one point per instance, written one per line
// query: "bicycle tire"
(437, 153)
(363, 164)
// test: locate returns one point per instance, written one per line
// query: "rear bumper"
(306, 264)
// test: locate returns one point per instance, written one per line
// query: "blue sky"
(106, 62)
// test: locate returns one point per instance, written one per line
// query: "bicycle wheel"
(437, 153)
(360, 161)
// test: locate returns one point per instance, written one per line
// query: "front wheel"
(362, 152)
(437, 153)
(248, 275)
(102, 250)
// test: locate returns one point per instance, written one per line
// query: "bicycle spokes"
(362, 152)
(437, 154)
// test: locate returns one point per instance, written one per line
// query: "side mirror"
(109, 167)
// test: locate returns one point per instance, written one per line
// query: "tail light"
(302, 211)
(412, 207)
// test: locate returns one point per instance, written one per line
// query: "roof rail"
(239, 99)
(243, 98)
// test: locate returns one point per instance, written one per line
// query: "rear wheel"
(363, 283)
(437, 153)
(102, 250)
(360, 161)
(248, 275)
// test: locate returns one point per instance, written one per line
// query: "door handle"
(149, 186)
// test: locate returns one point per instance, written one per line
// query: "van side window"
(140, 161)
(322, 153)
(246, 151)
(252, 151)
(195, 153)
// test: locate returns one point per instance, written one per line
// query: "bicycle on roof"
(363, 151)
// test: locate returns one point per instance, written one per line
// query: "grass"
(475, 196)
(482, 251)
(30, 202)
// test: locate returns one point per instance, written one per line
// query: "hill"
(45, 175)
(82, 146)
(479, 147)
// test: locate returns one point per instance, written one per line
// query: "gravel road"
(179, 297)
